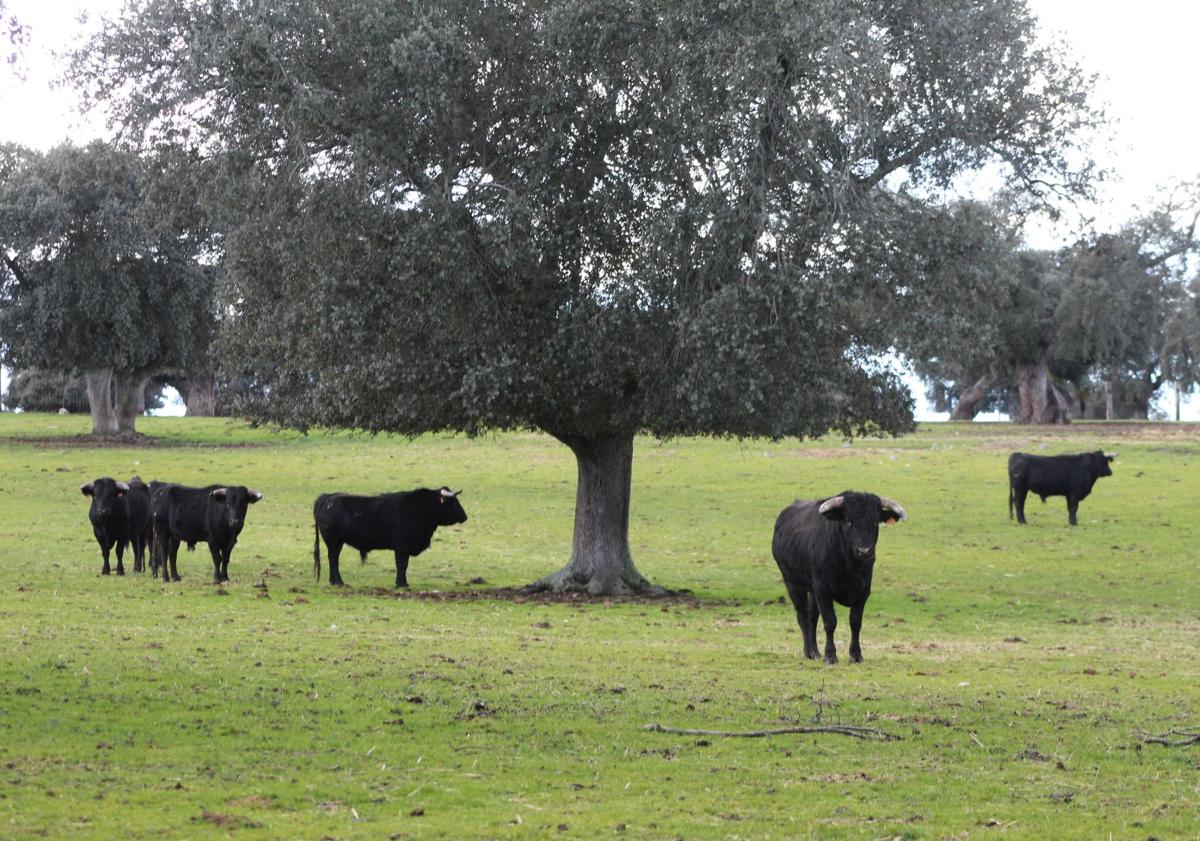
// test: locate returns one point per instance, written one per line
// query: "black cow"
(214, 515)
(110, 518)
(403, 522)
(1069, 476)
(137, 506)
(825, 549)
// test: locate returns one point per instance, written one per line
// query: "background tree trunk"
(1038, 403)
(1109, 412)
(200, 395)
(601, 563)
(968, 403)
(100, 403)
(129, 399)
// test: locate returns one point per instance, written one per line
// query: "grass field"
(1019, 666)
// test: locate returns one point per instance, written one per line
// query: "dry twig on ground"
(1191, 736)
(842, 729)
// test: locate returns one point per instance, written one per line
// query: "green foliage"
(92, 278)
(584, 217)
(34, 390)
(1020, 665)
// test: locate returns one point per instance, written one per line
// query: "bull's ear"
(218, 494)
(255, 496)
(86, 490)
(890, 511)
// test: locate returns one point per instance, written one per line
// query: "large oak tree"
(591, 218)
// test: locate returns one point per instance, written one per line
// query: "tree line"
(592, 219)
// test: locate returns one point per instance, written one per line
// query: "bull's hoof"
(173, 578)
(812, 655)
(831, 659)
(120, 571)
(338, 583)
(855, 658)
(106, 571)
(400, 585)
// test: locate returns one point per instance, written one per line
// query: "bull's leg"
(856, 615)
(800, 601)
(225, 560)
(335, 574)
(174, 555)
(105, 547)
(1019, 496)
(139, 554)
(1072, 509)
(813, 615)
(120, 557)
(401, 568)
(216, 559)
(829, 619)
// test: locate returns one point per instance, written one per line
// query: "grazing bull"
(214, 515)
(110, 518)
(825, 549)
(403, 522)
(1069, 476)
(137, 506)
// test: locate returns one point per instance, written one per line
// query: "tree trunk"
(129, 399)
(1178, 392)
(1038, 402)
(1109, 413)
(200, 395)
(100, 403)
(968, 402)
(601, 563)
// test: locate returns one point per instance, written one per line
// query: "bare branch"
(841, 729)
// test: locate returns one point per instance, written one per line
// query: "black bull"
(825, 549)
(1070, 476)
(402, 522)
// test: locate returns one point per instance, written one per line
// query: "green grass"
(1019, 665)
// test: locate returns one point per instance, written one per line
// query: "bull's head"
(104, 493)
(859, 516)
(1103, 460)
(449, 510)
(236, 499)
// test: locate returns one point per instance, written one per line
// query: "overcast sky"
(1145, 54)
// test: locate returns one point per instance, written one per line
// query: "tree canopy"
(97, 277)
(591, 218)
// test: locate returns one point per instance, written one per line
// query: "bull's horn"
(448, 494)
(123, 486)
(218, 493)
(86, 489)
(894, 507)
(1110, 456)
(255, 496)
(830, 504)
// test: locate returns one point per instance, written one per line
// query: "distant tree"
(35, 390)
(590, 218)
(97, 278)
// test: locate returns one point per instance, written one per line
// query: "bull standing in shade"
(825, 549)
(1069, 476)
(403, 522)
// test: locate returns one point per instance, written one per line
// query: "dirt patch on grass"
(518, 596)
(138, 441)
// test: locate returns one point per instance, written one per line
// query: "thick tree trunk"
(200, 395)
(1040, 403)
(1109, 412)
(968, 402)
(601, 563)
(100, 402)
(129, 399)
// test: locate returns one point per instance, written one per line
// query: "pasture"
(1020, 666)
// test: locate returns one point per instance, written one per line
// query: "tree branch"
(841, 729)
(1191, 736)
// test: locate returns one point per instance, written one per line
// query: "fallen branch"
(1191, 736)
(842, 729)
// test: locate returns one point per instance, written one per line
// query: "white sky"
(1146, 54)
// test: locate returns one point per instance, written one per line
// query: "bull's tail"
(316, 549)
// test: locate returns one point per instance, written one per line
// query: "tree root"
(567, 580)
(841, 729)
(1191, 736)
